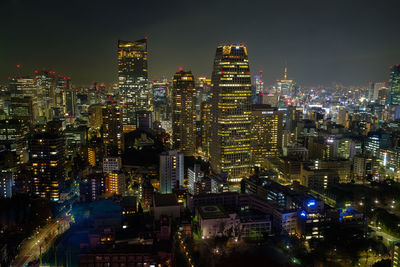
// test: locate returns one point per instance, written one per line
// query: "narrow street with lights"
(33, 247)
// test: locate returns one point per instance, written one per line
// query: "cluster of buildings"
(247, 161)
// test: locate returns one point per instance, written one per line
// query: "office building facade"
(231, 112)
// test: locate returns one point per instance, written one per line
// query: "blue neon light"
(303, 213)
(311, 203)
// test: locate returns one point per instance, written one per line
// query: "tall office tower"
(205, 113)
(230, 146)
(132, 79)
(26, 87)
(13, 136)
(95, 116)
(194, 175)
(371, 86)
(394, 84)
(160, 92)
(70, 107)
(267, 133)
(377, 88)
(46, 82)
(373, 90)
(47, 156)
(171, 171)
(21, 108)
(203, 86)
(184, 112)
(112, 129)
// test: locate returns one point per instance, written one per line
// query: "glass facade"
(231, 113)
(184, 113)
(133, 78)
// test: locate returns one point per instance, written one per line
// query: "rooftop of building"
(251, 215)
(162, 200)
(208, 212)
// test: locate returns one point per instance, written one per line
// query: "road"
(31, 248)
(388, 238)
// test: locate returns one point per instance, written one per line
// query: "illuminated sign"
(311, 203)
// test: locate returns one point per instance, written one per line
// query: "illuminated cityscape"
(162, 134)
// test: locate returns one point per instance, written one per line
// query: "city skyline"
(199, 133)
(353, 41)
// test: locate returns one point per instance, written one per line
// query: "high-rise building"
(394, 84)
(112, 129)
(133, 78)
(115, 183)
(373, 90)
(266, 132)
(24, 87)
(377, 140)
(161, 92)
(231, 112)
(194, 175)
(95, 116)
(47, 156)
(144, 120)
(171, 171)
(205, 128)
(13, 136)
(6, 184)
(184, 112)
(203, 86)
(46, 82)
(92, 186)
(21, 108)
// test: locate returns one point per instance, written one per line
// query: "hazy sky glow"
(347, 41)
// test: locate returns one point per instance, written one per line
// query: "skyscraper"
(133, 78)
(46, 84)
(23, 87)
(47, 156)
(394, 84)
(171, 171)
(184, 112)
(205, 120)
(231, 110)
(112, 129)
(267, 133)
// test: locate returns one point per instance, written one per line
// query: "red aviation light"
(180, 69)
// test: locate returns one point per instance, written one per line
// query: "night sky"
(321, 41)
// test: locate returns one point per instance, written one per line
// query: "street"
(31, 248)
